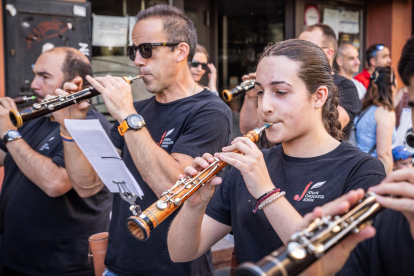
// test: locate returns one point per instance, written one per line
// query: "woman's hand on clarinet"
(399, 183)
(203, 194)
(250, 163)
(75, 111)
(335, 259)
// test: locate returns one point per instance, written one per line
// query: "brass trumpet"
(55, 103)
(140, 226)
(240, 89)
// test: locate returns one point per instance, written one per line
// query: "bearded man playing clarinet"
(44, 223)
(181, 122)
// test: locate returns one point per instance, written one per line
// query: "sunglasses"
(379, 47)
(195, 64)
(145, 49)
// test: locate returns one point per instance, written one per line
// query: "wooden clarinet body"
(140, 226)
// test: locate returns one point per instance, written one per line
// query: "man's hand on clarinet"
(335, 259)
(116, 93)
(75, 111)
(6, 104)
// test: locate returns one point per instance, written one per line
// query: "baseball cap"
(400, 153)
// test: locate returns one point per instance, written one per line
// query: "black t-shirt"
(49, 235)
(308, 182)
(348, 99)
(390, 252)
(192, 126)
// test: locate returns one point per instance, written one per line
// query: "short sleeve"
(219, 207)
(115, 137)
(348, 98)
(208, 131)
(370, 173)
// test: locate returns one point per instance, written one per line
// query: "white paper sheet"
(109, 31)
(101, 153)
(331, 18)
(349, 22)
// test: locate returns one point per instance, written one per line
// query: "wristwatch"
(133, 121)
(11, 135)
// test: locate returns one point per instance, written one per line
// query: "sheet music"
(101, 153)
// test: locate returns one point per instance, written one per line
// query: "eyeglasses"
(379, 47)
(145, 49)
(195, 64)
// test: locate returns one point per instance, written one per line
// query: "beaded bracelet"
(67, 138)
(271, 199)
(264, 197)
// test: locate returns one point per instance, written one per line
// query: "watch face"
(13, 134)
(135, 121)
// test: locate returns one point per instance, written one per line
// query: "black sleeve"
(358, 262)
(115, 137)
(219, 207)
(348, 98)
(369, 173)
(92, 114)
(208, 131)
(2, 147)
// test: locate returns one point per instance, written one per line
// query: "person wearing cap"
(402, 158)
(377, 55)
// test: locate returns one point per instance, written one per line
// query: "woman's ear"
(320, 96)
(183, 51)
(78, 81)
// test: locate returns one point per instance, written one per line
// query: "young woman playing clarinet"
(265, 195)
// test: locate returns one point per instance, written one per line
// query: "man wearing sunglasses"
(182, 121)
(377, 55)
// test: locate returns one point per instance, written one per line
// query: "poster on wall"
(349, 22)
(109, 31)
(132, 21)
(331, 18)
(312, 15)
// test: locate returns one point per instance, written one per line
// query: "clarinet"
(140, 226)
(24, 99)
(240, 89)
(307, 246)
(50, 105)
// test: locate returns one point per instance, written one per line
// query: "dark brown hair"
(406, 63)
(314, 71)
(379, 91)
(177, 26)
(201, 49)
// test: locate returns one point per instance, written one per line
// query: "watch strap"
(7, 137)
(123, 127)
